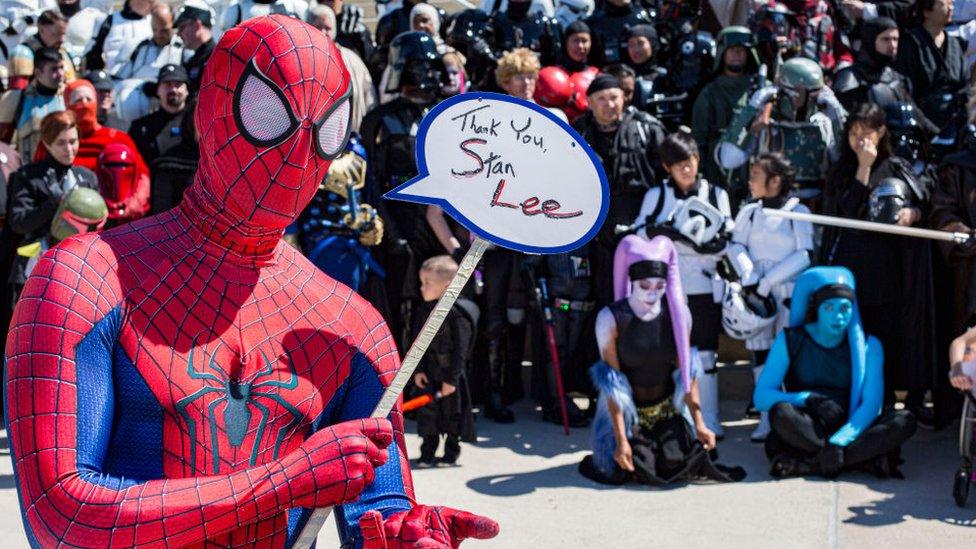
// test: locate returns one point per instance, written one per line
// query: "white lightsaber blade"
(843, 222)
(410, 362)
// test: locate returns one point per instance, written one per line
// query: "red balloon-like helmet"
(554, 88)
(581, 81)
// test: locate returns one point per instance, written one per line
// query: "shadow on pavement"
(931, 460)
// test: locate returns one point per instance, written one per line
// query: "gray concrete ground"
(524, 475)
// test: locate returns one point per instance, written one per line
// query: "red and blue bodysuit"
(188, 379)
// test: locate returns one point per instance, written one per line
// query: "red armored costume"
(188, 379)
(94, 138)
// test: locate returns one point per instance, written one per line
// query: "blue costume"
(822, 418)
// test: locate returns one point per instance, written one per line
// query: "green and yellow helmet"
(81, 211)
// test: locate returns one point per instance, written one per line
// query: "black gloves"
(825, 411)
(831, 460)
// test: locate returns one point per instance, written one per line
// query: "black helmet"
(907, 136)
(414, 60)
(467, 27)
(887, 198)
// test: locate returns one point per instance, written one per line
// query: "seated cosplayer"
(646, 377)
(823, 387)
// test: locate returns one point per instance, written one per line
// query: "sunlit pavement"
(524, 475)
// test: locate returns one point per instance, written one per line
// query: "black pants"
(452, 447)
(803, 432)
(498, 358)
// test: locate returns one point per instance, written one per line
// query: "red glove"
(336, 463)
(424, 527)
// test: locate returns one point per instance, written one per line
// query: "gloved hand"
(831, 460)
(762, 96)
(373, 235)
(825, 410)
(336, 463)
(424, 527)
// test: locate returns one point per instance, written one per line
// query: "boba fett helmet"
(801, 80)
(81, 211)
(736, 35)
(800, 73)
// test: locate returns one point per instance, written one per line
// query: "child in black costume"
(443, 368)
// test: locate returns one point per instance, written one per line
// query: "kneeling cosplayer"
(823, 387)
(644, 338)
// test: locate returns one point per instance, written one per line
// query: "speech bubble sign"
(509, 171)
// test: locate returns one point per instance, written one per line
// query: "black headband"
(829, 291)
(602, 82)
(647, 268)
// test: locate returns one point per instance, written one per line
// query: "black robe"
(937, 75)
(954, 201)
(447, 360)
(893, 274)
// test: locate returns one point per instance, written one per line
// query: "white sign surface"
(511, 172)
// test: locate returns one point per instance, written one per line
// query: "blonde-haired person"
(517, 74)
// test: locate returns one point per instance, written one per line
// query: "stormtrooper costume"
(148, 58)
(117, 38)
(698, 278)
(242, 10)
(16, 22)
(770, 252)
(84, 24)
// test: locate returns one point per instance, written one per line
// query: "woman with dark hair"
(934, 63)
(767, 253)
(895, 293)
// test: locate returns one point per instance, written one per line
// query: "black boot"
(452, 450)
(427, 449)
(497, 411)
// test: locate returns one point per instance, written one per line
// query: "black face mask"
(735, 69)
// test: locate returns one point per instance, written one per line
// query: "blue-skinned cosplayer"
(823, 386)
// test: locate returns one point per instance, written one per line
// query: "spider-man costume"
(186, 379)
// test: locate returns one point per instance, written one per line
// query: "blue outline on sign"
(400, 193)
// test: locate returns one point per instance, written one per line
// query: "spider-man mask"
(273, 110)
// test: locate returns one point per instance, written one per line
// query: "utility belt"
(571, 305)
(648, 416)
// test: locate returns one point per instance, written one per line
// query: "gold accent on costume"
(648, 416)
